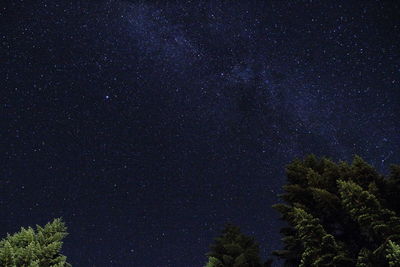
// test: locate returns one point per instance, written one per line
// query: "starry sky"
(147, 125)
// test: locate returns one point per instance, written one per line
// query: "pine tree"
(392, 189)
(320, 248)
(293, 246)
(234, 249)
(32, 248)
(312, 186)
(379, 224)
(358, 216)
(393, 254)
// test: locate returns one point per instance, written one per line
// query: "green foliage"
(214, 262)
(393, 254)
(339, 214)
(364, 258)
(234, 249)
(320, 248)
(392, 189)
(379, 224)
(365, 208)
(32, 248)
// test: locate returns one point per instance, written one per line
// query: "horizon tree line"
(335, 214)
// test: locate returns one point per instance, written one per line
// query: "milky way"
(147, 125)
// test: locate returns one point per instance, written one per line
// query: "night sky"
(147, 125)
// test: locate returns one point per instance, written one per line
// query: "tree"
(234, 249)
(392, 189)
(339, 214)
(393, 254)
(378, 224)
(319, 247)
(40, 248)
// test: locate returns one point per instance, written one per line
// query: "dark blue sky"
(147, 125)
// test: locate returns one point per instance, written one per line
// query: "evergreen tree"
(234, 249)
(350, 206)
(319, 247)
(379, 225)
(293, 246)
(392, 189)
(40, 248)
(393, 254)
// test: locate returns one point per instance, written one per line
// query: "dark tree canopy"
(339, 214)
(234, 249)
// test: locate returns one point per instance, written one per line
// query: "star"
(159, 116)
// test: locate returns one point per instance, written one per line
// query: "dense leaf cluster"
(234, 249)
(340, 214)
(40, 248)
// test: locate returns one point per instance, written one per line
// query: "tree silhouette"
(234, 249)
(339, 214)
(40, 248)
